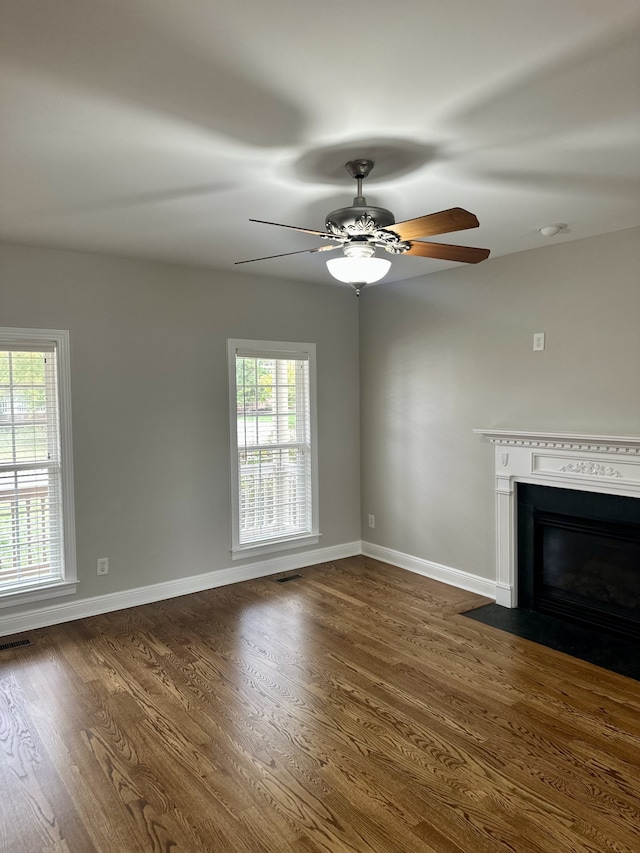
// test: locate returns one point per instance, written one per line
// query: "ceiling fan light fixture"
(358, 266)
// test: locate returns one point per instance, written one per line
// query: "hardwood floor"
(350, 710)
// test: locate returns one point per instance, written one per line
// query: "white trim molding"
(55, 614)
(429, 569)
(592, 463)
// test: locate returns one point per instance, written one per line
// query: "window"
(273, 446)
(37, 544)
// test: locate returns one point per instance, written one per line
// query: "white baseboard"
(505, 595)
(454, 577)
(54, 614)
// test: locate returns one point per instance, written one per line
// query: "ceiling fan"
(362, 228)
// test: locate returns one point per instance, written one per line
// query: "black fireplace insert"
(579, 557)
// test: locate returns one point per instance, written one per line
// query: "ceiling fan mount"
(362, 228)
(359, 169)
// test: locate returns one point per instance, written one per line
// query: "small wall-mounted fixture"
(552, 230)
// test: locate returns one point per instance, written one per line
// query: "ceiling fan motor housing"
(344, 217)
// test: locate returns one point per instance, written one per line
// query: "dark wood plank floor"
(350, 710)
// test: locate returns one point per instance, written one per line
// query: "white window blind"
(31, 493)
(274, 450)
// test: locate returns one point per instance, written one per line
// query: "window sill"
(25, 595)
(243, 552)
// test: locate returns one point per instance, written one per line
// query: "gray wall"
(150, 401)
(446, 353)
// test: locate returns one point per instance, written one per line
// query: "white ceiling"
(156, 128)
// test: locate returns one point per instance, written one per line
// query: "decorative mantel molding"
(560, 460)
(596, 469)
(564, 441)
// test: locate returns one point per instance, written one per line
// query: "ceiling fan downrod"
(359, 169)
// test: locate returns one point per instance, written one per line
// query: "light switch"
(538, 341)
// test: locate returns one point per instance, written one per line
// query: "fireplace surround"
(602, 465)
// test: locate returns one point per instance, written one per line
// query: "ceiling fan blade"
(295, 227)
(445, 252)
(286, 254)
(444, 222)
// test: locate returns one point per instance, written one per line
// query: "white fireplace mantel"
(593, 463)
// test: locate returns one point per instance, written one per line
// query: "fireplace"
(590, 467)
(578, 556)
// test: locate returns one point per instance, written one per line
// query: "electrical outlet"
(103, 566)
(372, 521)
(538, 341)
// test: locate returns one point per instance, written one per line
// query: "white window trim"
(68, 585)
(285, 350)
